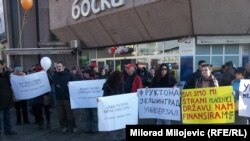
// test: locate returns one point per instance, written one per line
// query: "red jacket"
(137, 84)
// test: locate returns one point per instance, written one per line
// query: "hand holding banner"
(115, 112)
(30, 86)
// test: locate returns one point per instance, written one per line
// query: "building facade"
(29, 37)
(178, 32)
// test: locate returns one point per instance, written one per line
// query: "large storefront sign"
(85, 7)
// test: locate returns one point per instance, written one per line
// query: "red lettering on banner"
(201, 116)
(223, 106)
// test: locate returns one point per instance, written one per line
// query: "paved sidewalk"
(30, 132)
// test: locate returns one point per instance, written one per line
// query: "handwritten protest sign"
(159, 103)
(84, 94)
(244, 98)
(115, 112)
(30, 86)
(208, 105)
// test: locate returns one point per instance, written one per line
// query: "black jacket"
(6, 96)
(108, 90)
(61, 80)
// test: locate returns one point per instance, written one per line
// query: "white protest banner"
(159, 103)
(115, 112)
(30, 86)
(84, 94)
(244, 98)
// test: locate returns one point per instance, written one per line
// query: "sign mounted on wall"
(85, 7)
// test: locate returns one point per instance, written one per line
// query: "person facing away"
(6, 100)
(114, 86)
(163, 79)
(132, 81)
(206, 79)
(191, 81)
(66, 116)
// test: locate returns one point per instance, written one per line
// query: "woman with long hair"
(163, 79)
(114, 86)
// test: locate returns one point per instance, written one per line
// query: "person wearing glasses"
(163, 79)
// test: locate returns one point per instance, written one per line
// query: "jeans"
(5, 113)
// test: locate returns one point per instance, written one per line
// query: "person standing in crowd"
(66, 116)
(38, 104)
(6, 100)
(247, 76)
(163, 79)
(21, 105)
(91, 119)
(132, 81)
(228, 74)
(76, 74)
(190, 83)
(150, 77)
(143, 73)
(114, 86)
(104, 74)
(206, 79)
(239, 74)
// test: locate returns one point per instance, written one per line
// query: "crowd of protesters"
(129, 80)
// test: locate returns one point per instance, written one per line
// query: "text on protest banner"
(208, 105)
(115, 112)
(160, 103)
(84, 94)
(30, 86)
(244, 98)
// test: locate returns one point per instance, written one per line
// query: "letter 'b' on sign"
(45, 63)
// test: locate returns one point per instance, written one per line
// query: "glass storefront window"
(219, 54)
(232, 49)
(217, 49)
(152, 49)
(235, 60)
(217, 61)
(172, 51)
(92, 54)
(147, 49)
(198, 58)
(142, 49)
(203, 49)
(160, 47)
(110, 64)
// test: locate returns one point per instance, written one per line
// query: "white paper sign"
(115, 112)
(159, 103)
(30, 86)
(244, 98)
(84, 94)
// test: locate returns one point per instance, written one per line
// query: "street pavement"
(31, 132)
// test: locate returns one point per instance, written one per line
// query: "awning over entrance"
(35, 51)
(139, 21)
